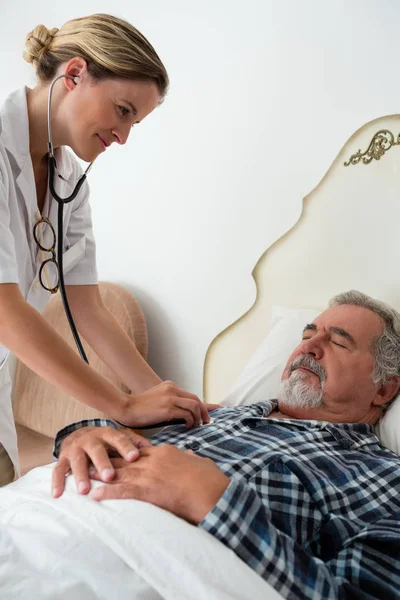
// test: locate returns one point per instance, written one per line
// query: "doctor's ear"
(76, 69)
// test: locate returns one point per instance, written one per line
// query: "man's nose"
(313, 346)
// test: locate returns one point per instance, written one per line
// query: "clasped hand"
(92, 445)
(185, 484)
(181, 482)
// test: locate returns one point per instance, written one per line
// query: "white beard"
(298, 393)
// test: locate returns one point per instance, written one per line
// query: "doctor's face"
(98, 113)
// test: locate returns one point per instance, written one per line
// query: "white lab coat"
(20, 257)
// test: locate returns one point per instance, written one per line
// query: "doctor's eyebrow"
(133, 107)
(337, 330)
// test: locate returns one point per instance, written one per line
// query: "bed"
(127, 549)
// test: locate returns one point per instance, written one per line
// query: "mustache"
(310, 363)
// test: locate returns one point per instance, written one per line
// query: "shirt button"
(195, 445)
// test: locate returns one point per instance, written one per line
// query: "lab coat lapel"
(15, 137)
(27, 193)
(14, 131)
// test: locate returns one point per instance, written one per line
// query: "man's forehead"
(360, 322)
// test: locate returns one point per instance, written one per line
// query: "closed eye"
(336, 343)
(340, 345)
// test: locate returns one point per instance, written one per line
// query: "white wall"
(263, 95)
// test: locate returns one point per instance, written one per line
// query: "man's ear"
(387, 391)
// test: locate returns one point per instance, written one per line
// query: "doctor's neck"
(37, 114)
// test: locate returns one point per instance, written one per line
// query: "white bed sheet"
(76, 548)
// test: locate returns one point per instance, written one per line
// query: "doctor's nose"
(121, 135)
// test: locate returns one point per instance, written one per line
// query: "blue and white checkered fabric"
(313, 507)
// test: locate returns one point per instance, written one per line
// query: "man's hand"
(180, 482)
(92, 444)
(164, 402)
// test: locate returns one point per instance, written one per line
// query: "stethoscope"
(53, 171)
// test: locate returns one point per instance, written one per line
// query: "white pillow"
(261, 377)
(388, 428)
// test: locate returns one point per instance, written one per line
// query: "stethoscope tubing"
(60, 249)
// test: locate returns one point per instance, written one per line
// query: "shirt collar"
(352, 435)
(14, 133)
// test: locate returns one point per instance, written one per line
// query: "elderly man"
(299, 487)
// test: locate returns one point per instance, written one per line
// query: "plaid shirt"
(313, 506)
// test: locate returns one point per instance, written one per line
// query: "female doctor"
(114, 80)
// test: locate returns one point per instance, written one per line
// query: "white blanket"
(76, 548)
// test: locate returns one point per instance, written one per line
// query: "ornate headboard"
(348, 236)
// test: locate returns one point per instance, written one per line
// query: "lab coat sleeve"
(80, 255)
(8, 259)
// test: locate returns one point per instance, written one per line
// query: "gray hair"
(386, 346)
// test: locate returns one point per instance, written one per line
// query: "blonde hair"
(112, 48)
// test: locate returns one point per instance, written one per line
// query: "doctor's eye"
(123, 111)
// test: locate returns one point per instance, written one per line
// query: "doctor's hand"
(93, 445)
(180, 482)
(164, 402)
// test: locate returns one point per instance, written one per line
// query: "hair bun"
(37, 42)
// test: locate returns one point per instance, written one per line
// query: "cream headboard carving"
(348, 236)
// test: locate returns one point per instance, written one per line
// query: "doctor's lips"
(103, 141)
(310, 365)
